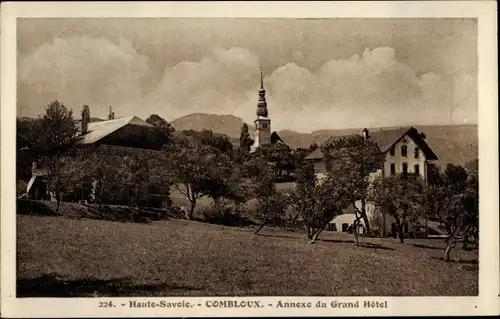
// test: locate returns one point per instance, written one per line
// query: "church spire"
(262, 104)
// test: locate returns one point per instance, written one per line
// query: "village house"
(121, 136)
(404, 151)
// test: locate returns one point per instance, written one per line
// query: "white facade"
(262, 134)
(386, 224)
(414, 161)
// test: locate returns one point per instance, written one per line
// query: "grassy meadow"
(57, 256)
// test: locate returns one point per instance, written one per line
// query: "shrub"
(34, 208)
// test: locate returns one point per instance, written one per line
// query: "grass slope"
(66, 257)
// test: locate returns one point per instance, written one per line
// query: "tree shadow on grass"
(277, 236)
(375, 246)
(459, 261)
(52, 285)
(361, 244)
(337, 240)
(426, 246)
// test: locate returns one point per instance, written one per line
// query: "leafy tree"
(271, 207)
(191, 170)
(400, 197)
(318, 202)
(271, 203)
(280, 156)
(353, 159)
(222, 184)
(56, 140)
(245, 139)
(167, 129)
(209, 138)
(313, 147)
(454, 202)
(472, 165)
(28, 145)
(57, 129)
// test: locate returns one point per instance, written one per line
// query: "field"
(57, 256)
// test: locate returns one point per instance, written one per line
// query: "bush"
(230, 215)
(34, 208)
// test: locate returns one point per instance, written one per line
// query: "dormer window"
(404, 151)
(392, 151)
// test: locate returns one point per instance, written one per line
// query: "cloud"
(82, 70)
(218, 83)
(372, 88)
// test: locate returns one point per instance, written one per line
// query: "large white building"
(404, 151)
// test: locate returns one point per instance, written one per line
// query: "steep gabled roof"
(99, 130)
(275, 138)
(385, 139)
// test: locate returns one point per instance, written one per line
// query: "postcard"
(230, 159)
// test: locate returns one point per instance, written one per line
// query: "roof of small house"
(275, 138)
(99, 130)
(385, 139)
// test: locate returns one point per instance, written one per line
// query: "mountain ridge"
(455, 143)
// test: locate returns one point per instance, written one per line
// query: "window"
(264, 125)
(404, 151)
(417, 169)
(331, 227)
(393, 169)
(417, 152)
(392, 151)
(405, 168)
(345, 227)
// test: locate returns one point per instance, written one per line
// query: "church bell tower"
(262, 123)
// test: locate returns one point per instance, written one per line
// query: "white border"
(485, 11)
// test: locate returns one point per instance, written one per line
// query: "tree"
(472, 165)
(57, 138)
(318, 202)
(222, 184)
(167, 130)
(280, 156)
(399, 196)
(454, 201)
(57, 129)
(209, 138)
(191, 169)
(353, 159)
(28, 144)
(271, 203)
(245, 139)
(271, 207)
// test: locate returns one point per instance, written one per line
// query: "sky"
(318, 73)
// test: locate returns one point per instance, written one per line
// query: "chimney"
(111, 115)
(85, 119)
(364, 133)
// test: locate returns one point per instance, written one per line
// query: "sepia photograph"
(246, 157)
